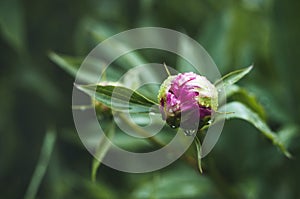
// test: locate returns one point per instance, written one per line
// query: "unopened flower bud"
(187, 100)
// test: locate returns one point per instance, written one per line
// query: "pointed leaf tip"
(233, 77)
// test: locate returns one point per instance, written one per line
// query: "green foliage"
(41, 167)
(198, 147)
(240, 111)
(35, 92)
(12, 23)
(67, 63)
(118, 98)
(236, 93)
(101, 151)
(233, 77)
(170, 184)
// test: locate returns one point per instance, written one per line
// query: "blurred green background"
(35, 97)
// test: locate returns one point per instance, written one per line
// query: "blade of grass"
(66, 63)
(40, 170)
(101, 151)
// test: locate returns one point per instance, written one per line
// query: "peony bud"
(187, 101)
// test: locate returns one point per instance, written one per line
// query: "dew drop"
(151, 113)
(189, 132)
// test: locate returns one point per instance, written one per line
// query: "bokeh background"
(35, 96)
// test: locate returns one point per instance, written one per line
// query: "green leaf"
(41, 167)
(72, 64)
(240, 111)
(12, 23)
(101, 151)
(288, 133)
(233, 77)
(198, 147)
(118, 98)
(67, 63)
(236, 93)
